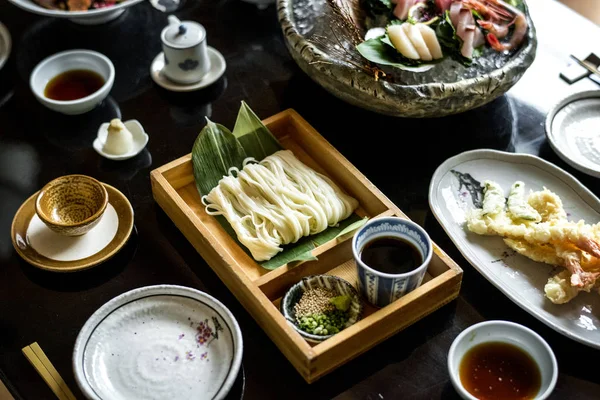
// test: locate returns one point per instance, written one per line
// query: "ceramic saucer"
(217, 68)
(45, 249)
(5, 44)
(572, 130)
(159, 342)
(140, 139)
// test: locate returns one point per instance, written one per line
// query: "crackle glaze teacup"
(71, 205)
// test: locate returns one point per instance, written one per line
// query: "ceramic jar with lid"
(184, 46)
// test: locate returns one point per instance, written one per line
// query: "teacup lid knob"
(182, 34)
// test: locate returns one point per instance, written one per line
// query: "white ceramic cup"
(506, 332)
(380, 288)
(66, 61)
(184, 47)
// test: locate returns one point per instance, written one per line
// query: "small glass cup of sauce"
(502, 360)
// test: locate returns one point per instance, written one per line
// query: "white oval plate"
(518, 277)
(159, 342)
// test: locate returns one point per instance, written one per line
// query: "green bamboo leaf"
(352, 227)
(215, 151)
(301, 250)
(254, 136)
(335, 231)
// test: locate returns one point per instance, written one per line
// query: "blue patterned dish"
(380, 288)
(341, 286)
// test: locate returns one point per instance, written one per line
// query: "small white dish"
(505, 332)
(217, 68)
(572, 130)
(140, 139)
(159, 342)
(72, 60)
(89, 17)
(5, 44)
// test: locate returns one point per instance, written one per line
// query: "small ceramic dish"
(72, 60)
(48, 250)
(5, 44)
(140, 139)
(88, 17)
(217, 68)
(341, 286)
(71, 205)
(572, 130)
(159, 342)
(506, 332)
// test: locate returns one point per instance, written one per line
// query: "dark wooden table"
(398, 155)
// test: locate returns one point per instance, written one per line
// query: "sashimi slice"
(431, 40)
(401, 42)
(416, 38)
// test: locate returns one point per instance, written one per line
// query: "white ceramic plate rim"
(511, 325)
(105, 310)
(585, 168)
(155, 73)
(5, 37)
(30, 5)
(569, 180)
(140, 137)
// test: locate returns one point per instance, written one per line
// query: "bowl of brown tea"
(502, 360)
(392, 255)
(73, 82)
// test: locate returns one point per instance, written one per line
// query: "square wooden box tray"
(260, 290)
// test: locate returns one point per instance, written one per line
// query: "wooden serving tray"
(260, 290)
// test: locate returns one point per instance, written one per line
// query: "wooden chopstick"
(44, 367)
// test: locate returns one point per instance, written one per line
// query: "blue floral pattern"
(383, 290)
(188, 65)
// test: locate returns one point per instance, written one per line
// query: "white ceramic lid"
(573, 130)
(182, 34)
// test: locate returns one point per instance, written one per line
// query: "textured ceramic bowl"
(506, 332)
(66, 61)
(317, 45)
(72, 204)
(341, 286)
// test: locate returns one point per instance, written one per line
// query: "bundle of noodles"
(277, 201)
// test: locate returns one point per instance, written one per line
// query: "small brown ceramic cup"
(71, 205)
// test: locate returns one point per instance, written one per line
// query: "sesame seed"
(315, 301)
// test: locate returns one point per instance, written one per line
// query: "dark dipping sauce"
(499, 370)
(73, 85)
(391, 255)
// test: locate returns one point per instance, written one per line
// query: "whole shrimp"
(520, 23)
(500, 31)
(495, 12)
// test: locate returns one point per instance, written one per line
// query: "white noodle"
(276, 202)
